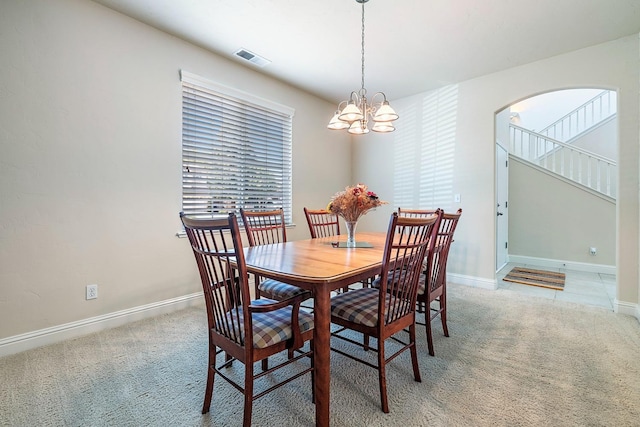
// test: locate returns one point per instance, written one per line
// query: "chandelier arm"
(384, 97)
(355, 97)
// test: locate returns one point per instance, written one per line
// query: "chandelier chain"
(363, 89)
(357, 111)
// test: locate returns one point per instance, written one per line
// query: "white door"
(502, 212)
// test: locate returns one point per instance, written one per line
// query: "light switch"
(456, 198)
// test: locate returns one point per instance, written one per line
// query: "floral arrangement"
(354, 202)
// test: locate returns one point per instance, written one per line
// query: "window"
(236, 150)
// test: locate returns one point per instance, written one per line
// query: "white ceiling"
(411, 46)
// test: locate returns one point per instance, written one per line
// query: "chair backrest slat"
(436, 262)
(217, 247)
(448, 224)
(264, 228)
(408, 241)
(322, 223)
(416, 213)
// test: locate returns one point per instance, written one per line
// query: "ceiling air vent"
(252, 57)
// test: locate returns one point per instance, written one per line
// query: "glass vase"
(351, 233)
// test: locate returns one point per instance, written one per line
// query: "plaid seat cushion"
(280, 291)
(421, 283)
(358, 306)
(272, 327)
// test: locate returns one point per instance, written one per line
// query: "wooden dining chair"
(433, 283)
(247, 331)
(265, 228)
(416, 213)
(322, 223)
(387, 310)
(326, 224)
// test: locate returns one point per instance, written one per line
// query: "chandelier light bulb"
(383, 127)
(350, 113)
(336, 123)
(358, 128)
(385, 113)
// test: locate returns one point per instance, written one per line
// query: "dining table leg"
(322, 360)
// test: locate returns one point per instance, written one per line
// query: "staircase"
(592, 113)
(552, 148)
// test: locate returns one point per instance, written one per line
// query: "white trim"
(627, 308)
(188, 77)
(620, 307)
(475, 282)
(55, 334)
(183, 234)
(570, 265)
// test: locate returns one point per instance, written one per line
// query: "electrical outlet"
(593, 251)
(92, 291)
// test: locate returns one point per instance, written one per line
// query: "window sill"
(183, 234)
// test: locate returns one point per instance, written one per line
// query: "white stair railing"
(596, 110)
(576, 164)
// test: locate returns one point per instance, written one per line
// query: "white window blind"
(236, 150)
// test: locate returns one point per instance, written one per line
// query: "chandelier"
(357, 112)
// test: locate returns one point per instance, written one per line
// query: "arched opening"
(556, 190)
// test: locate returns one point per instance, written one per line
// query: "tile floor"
(596, 289)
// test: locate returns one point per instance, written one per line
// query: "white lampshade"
(358, 128)
(385, 113)
(383, 127)
(336, 124)
(350, 113)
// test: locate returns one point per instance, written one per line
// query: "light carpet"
(510, 361)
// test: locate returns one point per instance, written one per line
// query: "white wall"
(452, 130)
(90, 168)
(601, 140)
(90, 160)
(552, 219)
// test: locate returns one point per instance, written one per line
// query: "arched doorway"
(561, 150)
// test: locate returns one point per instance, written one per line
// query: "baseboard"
(571, 265)
(55, 334)
(627, 308)
(621, 307)
(476, 282)
(30, 340)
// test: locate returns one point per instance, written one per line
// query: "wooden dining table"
(319, 266)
